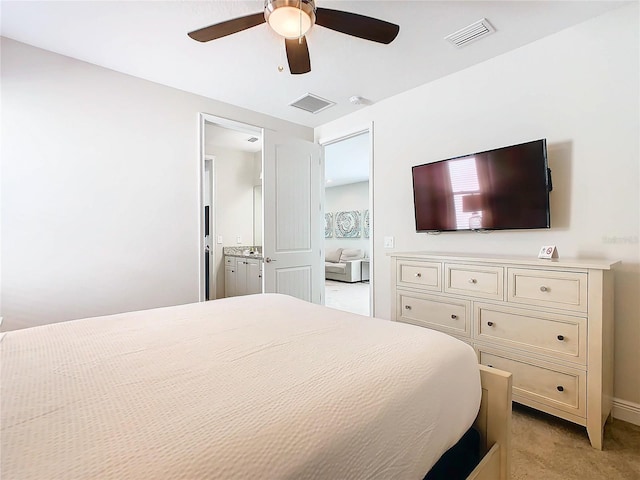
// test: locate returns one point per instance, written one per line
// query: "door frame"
(338, 138)
(203, 119)
(210, 160)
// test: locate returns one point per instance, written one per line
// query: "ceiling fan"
(292, 19)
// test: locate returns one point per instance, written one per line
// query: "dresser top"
(593, 263)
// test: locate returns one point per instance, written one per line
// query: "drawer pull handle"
(490, 324)
(454, 316)
(490, 366)
(418, 275)
(560, 388)
(407, 307)
(561, 337)
(473, 280)
(544, 289)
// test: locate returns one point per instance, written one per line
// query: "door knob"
(269, 260)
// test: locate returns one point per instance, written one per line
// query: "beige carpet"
(547, 448)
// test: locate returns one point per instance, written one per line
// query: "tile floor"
(350, 297)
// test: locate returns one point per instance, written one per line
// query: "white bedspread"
(259, 387)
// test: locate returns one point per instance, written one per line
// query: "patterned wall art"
(365, 223)
(348, 224)
(328, 225)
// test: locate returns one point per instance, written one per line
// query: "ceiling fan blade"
(298, 55)
(357, 25)
(223, 29)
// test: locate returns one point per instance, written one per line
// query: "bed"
(262, 386)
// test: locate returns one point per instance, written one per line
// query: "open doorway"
(348, 225)
(289, 259)
(232, 209)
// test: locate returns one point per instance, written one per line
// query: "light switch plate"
(388, 242)
(219, 240)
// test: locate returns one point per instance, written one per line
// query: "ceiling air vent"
(311, 103)
(252, 139)
(471, 33)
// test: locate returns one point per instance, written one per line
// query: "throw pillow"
(349, 254)
(332, 255)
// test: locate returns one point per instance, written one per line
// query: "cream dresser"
(549, 322)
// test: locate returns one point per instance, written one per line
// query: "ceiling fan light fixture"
(290, 18)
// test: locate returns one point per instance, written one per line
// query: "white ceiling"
(148, 39)
(346, 161)
(220, 137)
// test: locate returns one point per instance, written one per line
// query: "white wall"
(257, 168)
(234, 177)
(100, 208)
(579, 89)
(354, 196)
(257, 199)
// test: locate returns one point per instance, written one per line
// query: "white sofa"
(343, 264)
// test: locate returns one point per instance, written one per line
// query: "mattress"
(261, 386)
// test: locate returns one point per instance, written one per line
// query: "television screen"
(505, 188)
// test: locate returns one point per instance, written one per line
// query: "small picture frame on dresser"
(548, 251)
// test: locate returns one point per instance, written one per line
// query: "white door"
(241, 277)
(254, 276)
(230, 275)
(292, 217)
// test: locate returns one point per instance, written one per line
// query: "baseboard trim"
(627, 411)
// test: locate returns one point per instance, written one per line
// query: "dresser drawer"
(560, 336)
(423, 275)
(565, 290)
(447, 315)
(474, 280)
(557, 387)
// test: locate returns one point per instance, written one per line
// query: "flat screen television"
(501, 189)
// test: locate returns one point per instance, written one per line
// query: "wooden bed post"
(494, 424)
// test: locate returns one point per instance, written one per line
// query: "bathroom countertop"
(245, 255)
(241, 251)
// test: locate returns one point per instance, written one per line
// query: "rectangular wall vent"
(252, 139)
(471, 33)
(311, 103)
